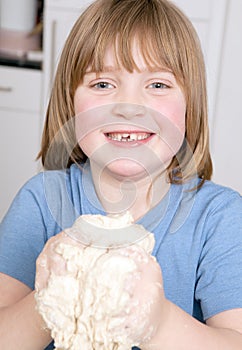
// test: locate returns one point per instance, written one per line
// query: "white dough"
(87, 307)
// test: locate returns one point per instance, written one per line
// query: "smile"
(128, 137)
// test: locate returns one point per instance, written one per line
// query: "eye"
(103, 85)
(158, 85)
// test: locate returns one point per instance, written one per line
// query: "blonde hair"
(166, 37)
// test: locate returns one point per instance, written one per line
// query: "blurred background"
(32, 33)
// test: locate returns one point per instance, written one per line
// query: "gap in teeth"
(126, 137)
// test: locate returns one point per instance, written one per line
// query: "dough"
(91, 305)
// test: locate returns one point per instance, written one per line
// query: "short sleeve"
(23, 233)
(219, 274)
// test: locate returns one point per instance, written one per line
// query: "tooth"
(126, 137)
(133, 137)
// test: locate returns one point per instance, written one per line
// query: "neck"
(118, 195)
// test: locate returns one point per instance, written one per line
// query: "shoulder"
(219, 210)
(47, 197)
(52, 180)
(42, 208)
(211, 209)
(219, 198)
(213, 189)
(204, 204)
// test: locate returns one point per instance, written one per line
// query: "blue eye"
(158, 85)
(103, 85)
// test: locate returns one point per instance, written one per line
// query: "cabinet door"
(20, 101)
(59, 18)
(208, 18)
(57, 25)
(20, 89)
(19, 145)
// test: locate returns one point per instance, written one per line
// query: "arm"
(218, 285)
(21, 327)
(181, 331)
(176, 329)
(23, 235)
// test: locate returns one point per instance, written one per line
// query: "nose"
(128, 110)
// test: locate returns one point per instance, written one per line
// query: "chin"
(127, 169)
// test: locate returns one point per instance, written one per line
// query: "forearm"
(181, 331)
(21, 327)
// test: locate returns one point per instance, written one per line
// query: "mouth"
(129, 137)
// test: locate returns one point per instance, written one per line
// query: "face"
(130, 123)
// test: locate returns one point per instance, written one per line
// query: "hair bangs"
(157, 45)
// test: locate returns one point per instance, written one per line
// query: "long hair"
(165, 37)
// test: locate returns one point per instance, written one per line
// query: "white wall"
(226, 138)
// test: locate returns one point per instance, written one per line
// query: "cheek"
(81, 104)
(172, 114)
(84, 102)
(171, 122)
(87, 144)
(178, 119)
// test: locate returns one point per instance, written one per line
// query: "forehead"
(112, 57)
(135, 56)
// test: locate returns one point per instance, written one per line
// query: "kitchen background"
(32, 33)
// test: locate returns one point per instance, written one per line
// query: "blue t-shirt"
(198, 235)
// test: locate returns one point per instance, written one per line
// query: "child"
(132, 73)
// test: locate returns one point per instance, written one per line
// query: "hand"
(134, 321)
(147, 304)
(50, 262)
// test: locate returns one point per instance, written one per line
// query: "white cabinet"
(208, 18)
(227, 130)
(20, 103)
(59, 17)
